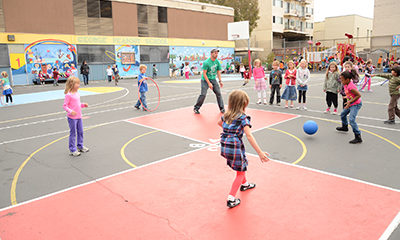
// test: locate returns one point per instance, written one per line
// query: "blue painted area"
(163, 69)
(44, 96)
(97, 72)
(19, 79)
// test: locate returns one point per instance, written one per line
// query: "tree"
(245, 10)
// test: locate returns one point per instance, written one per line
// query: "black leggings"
(8, 96)
(332, 98)
(302, 93)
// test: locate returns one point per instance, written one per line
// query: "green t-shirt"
(212, 68)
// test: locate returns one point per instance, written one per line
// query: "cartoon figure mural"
(197, 55)
(48, 54)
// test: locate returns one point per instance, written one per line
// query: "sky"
(329, 8)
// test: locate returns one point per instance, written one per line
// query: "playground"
(159, 174)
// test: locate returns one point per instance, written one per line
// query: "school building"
(44, 34)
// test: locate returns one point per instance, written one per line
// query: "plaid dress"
(232, 147)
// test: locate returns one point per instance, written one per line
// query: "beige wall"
(333, 29)
(124, 19)
(386, 18)
(27, 16)
(196, 25)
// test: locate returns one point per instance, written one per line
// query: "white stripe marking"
(392, 226)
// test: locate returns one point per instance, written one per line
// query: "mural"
(197, 55)
(127, 59)
(48, 54)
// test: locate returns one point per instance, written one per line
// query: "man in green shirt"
(211, 69)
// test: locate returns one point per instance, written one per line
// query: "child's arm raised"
(253, 143)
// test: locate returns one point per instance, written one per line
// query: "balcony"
(305, 2)
(291, 13)
(294, 30)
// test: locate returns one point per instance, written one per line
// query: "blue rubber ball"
(310, 127)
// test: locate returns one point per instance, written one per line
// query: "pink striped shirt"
(72, 102)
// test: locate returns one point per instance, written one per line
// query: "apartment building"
(282, 23)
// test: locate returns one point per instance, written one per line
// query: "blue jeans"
(86, 79)
(216, 90)
(75, 130)
(353, 110)
(143, 100)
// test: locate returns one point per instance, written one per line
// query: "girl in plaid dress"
(234, 123)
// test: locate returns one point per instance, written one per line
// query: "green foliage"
(245, 10)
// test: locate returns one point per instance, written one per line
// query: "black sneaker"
(389, 122)
(233, 203)
(343, 128)
(196, 111)
(250, 186)
(223, 111)
(137, 107)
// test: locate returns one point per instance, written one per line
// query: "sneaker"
(389, 122)
(144, 109)
(334, 112)
(233, 203)
(137, 107)
(249, 186)
(83, 149)
(222, 111)
(196, 111)
(291, 106)
(259, 101)
(265, 102)
(305, 108)
(298, 108)
(270, 103)
(278, 104)
(75, 154)
(286, 106)
(328, 110)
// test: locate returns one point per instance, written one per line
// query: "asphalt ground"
(34, 158)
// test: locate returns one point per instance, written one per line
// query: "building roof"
(185, 5)
(348, 15)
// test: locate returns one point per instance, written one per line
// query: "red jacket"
(290, 77)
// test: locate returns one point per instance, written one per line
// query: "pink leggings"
(239, 180)
(367, 81)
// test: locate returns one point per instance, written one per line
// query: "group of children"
(113, 73)
(292, 77)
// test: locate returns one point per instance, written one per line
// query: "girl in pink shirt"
(73, 106)
(259, 77)
(353, 105)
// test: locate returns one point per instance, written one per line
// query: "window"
(142, 13)
(162, 15)
(153, 54)
(358, 31)
(99, 8)
(274, 3)
(312, 25)
(281, 20)
(95, 54)
(93, 8)
(273, 19)
(281, 4)
(4, 59)
(105, 9)
(312, 10)
(367, 33)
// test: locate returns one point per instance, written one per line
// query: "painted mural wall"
(197, 55)
(128, 66)
(47, 55)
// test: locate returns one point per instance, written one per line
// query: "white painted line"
(108, 101)
(335, 175)
(99, 179)
(392, 226)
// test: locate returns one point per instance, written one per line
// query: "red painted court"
(184, 197)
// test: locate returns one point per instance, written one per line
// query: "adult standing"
(211, 69)
(85, 72)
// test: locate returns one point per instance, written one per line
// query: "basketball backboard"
(238, 30)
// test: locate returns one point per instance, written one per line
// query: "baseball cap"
(214, 50)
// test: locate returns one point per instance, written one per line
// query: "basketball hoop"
(235, 36)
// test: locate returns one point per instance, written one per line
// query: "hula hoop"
(159, 96)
